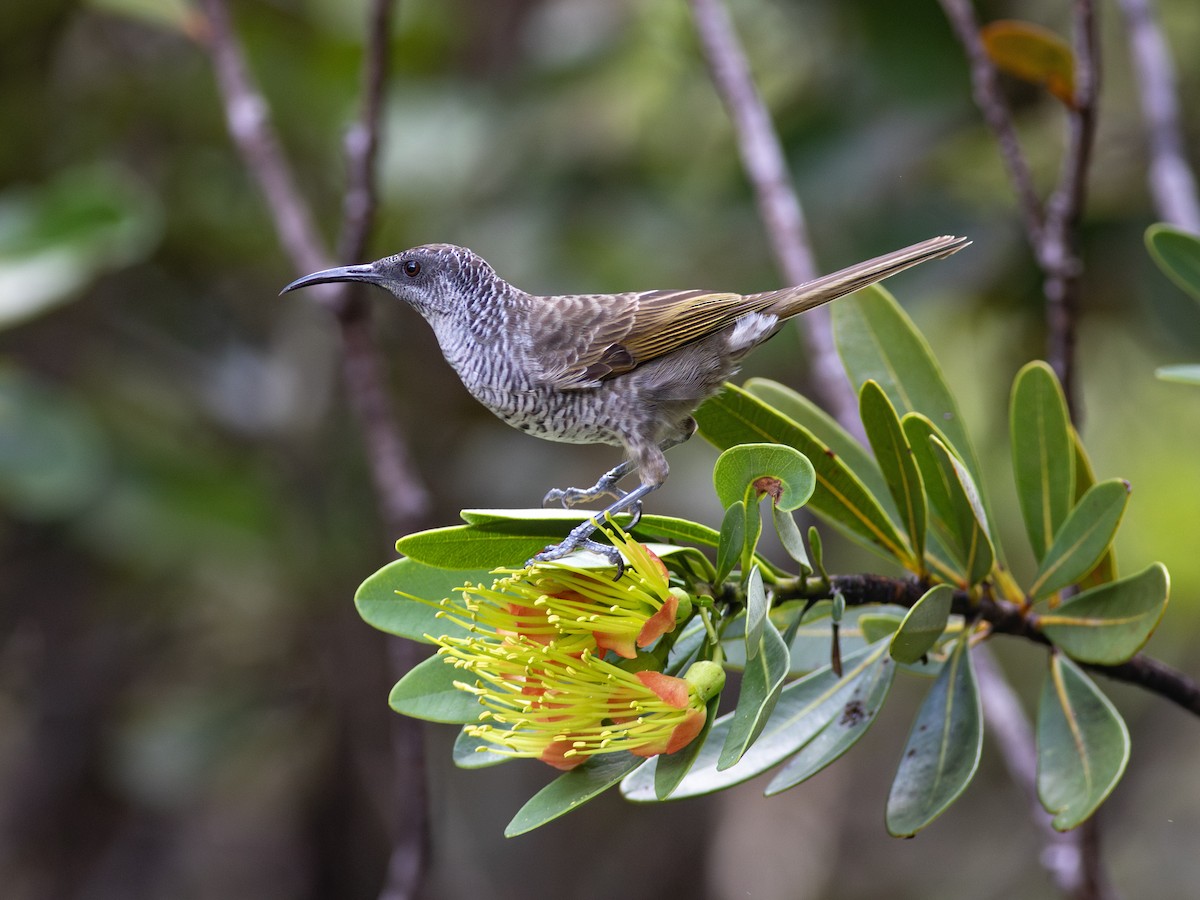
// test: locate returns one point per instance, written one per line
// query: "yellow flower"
(575, 606)
(543, 702)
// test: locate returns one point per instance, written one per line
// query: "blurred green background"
(189, 705)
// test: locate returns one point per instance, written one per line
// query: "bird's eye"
(412, 268)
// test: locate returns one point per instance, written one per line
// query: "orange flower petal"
(660, 623)
(553, 756)
(671, 690)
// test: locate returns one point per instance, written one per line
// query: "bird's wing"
(580, 341)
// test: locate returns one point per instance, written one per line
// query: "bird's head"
(435, 279)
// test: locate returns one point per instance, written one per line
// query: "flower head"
(542, 702)
(569, 604)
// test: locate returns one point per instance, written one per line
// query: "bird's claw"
(570, 544)
(574, 496)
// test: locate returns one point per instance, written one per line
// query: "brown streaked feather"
(593, 338)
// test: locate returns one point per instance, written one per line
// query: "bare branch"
(1004, 618)
(249, 120)
(362, 138)
(1172, 181)
(778, 205)
(986, 91)
(1058, 251)
(402, 497)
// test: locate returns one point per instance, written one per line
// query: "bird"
(626, 369)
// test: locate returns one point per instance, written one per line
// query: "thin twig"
(1059, 250)
(778, 204)
(1172, 181)
(249, 120)
(402, 497)
(986, 91)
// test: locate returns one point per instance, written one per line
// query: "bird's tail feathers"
(788, 302)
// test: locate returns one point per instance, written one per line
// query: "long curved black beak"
(340, 273)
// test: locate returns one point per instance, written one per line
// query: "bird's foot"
(574, 496)
(580, 539)
(605, 487)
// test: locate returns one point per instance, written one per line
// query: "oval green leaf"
(1042, 452)
(476, 753)
(896, 462)
(571, 790)
(843, 731)
(402, 597)
(1177, 253)
(805, 707)
(427, 692)
(1106, 625)
(749, 471)
(1082, 745)
(762, 681)
(879, 342)
(732, 540)
(954, 502)
(942, 753)
(923, 625)
(1183, 374)
(735, 417)
(824, 428)
(1083, 538)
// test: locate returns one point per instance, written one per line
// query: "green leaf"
(1032, 53)
(1105, 570)
(825, 429)
(427, 692)
(175, 15)
(476, 753)
(57, 238)
(879, 342)
(1177, 253)
(480, 546)
(1083, 539)
(669, 528)
(733, 539)
(571, 790)
(748, 471)
(756, 612)
(942, 753)
(805, 707)
(897, 464)
(923, 625)
(877, 626)
(1106, 625)
(957, 511)
(1082, 745)
(734, 417)
(382, 607)
(1042, 452)
(790, 538)
(1184, 374)
(871, 688)
(762, 681)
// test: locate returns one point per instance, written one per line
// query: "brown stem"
(1004, 618)
(985, 89)
(403, 500)
(778, 204)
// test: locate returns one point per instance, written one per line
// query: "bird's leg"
(580, 536)
(605, 487)
(650, 461)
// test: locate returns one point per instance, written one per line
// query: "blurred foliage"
(189, 704)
